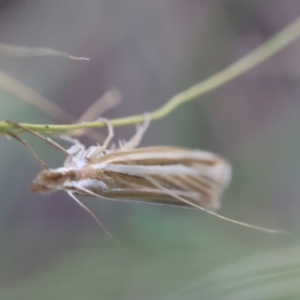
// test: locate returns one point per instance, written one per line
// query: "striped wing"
(197, 176)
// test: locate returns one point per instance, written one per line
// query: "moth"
(141, 174)
(160, 174)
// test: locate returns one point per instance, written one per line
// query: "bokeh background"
(150, 50)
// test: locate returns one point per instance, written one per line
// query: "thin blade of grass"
(23, 51)
(30, 96)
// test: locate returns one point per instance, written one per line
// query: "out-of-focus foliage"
(151, 50)
(265, 276)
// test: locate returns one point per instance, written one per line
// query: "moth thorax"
(49, 181)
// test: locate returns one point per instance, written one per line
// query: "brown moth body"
(198, 176)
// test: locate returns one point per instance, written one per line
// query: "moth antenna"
(38, 135)
(94, 216)
(26, 145)
(137, 138)
(259, 228)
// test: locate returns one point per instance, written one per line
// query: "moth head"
(49, 180)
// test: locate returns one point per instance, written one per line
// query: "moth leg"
(110, 133)
(93, 215)
(38, 135)
(108, 139)
(26, 145)
(137, 138)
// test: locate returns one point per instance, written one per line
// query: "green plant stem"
(279, 41)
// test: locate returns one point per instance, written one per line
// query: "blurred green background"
(150, 50)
